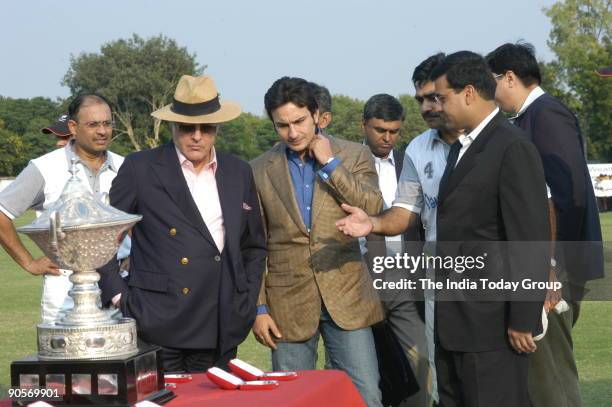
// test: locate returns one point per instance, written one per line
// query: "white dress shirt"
(203, 188)
(387, 178)
(387, 182)
(466, 140)
(533, 95)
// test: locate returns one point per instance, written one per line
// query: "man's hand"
(552, 296)
(42, 265)
(263, 329)
(522, 342)
(357, 224)
(320, 149)
(124, 264)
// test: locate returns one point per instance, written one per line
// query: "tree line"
(248, 136)
(138, 76)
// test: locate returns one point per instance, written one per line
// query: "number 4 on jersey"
(428, 170)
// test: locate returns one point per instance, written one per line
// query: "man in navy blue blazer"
(198, 254)
(553, 128)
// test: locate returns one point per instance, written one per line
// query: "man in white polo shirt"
(417, 188)
(41, 183)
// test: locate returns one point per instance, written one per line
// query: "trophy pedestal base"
(113, 339)
(109, 382)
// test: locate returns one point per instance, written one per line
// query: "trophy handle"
(55, 230)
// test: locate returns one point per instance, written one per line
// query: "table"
(313, 388)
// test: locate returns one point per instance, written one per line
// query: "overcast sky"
(357, 48)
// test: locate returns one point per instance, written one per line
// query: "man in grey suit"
(383, 116)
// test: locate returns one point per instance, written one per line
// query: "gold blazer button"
(184, 261)
(185, 290)
(172, 232)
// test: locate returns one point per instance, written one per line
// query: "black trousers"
(482, 379)
(193, 360)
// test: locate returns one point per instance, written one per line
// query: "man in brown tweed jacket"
(316, 282)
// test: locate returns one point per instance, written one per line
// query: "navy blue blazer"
(555, 131)
(181, 290)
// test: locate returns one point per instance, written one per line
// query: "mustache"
(432, 115)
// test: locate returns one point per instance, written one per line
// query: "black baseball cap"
(59, 128)
(607, 71)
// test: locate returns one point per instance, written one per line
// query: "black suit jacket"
(182, 292)
(496, 194)
(555, 131)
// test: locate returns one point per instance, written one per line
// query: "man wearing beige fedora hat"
(198, 253)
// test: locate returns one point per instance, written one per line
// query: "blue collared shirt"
(303, 175)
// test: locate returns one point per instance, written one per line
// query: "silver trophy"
(81, 233)
(89, 356)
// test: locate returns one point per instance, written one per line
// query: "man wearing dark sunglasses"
(198, 254)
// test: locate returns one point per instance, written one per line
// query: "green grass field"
(19, 314)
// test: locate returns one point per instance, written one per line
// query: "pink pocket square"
(246, 206)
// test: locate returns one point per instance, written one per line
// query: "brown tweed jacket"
(306, 270)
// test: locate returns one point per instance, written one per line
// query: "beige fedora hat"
(196, 100)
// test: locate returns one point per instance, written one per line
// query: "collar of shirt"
(379, 160)
(294, 157)
(389, 159)
(467, 139)
(533, 95)
(70, 152)
(437, 138)
(186, 164)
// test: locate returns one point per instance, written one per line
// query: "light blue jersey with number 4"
(417, 188)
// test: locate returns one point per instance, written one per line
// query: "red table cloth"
(313, 388)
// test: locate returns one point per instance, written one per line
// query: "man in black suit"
(198, 254)
(554, 130)
(492, 195)
(383, 116)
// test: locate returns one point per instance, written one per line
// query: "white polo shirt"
(417, 189)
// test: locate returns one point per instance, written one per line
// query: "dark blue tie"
(451, 161)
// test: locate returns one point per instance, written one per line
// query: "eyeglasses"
(191, 128)
(438, 98)
(441, 99)
(107, 124)
(497, 76)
